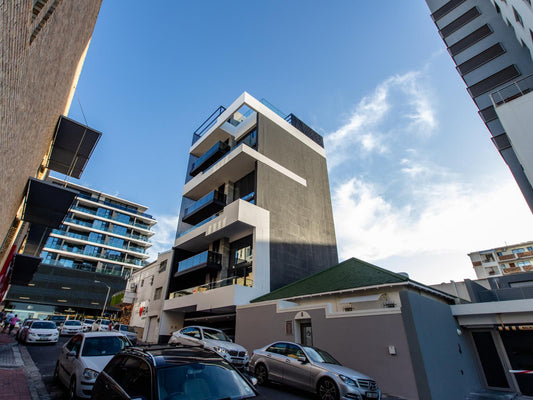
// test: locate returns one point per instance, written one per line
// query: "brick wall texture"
(35, 82)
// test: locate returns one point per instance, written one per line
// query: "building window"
(499, 253)
(163, 266)
(123, 218)
(523, 263)
(142, 283)
(157, 293)
(288, 328)
(104, 213)
(518, 251)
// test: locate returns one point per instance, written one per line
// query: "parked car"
(23, 327)
(213, 339)
(100, 325)
(311, 369)
(87, 324)
(57, 319)
(70, 327)
(39, 331)
(129, 331)
(171, 373)
(83, 357)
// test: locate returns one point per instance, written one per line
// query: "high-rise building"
(504, 260)
(43, 44)
(102, 240)
(255, 215)
(491, 44)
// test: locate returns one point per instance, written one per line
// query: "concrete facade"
(255, 215)
(42, 48)
(509, 259)
(488, 57)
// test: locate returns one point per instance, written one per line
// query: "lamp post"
(106, 296)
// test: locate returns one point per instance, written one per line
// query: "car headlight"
(348, 381)
(221, 350)
(90, 374)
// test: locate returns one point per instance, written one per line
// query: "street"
(45, 356)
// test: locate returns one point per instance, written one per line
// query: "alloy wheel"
(261, 374)
(327, 390)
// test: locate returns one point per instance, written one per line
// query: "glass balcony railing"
(111, 204)
(213, 285)
(208, 123)
(110, 230)
(210, 157)
(205, 258)
(513, 91)
(116, 270)
(205, 207)
(95, 213)
(205, 221)
(125, 246)
(99, 253)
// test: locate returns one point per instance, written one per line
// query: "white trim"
(361, 299)
(248, 100)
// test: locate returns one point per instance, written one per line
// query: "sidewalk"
(19, 377)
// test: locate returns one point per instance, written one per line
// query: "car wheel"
(261, 374)
(327, 390)
(72, 389)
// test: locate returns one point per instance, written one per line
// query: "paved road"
(45, 356)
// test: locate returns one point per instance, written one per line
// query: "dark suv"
(171, 373)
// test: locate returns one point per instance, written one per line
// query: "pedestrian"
(110, 326)
(6, 321)
(12, 322)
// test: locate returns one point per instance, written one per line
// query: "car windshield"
(215, 335)
(88, 321)
(127, 328)
(320, 356)
(73, 323)
(43, 325)
(105, 322)
(209, 380)
(104, 345)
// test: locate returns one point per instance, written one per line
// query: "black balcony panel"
(36, 239)
(72, 147)
(204, 262)
(305, 129)
(23, 268)
(208, 205)
(210, 157)
(46, 204)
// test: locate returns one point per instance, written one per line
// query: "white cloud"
(452, 219)
(404, 97)
(165, 231)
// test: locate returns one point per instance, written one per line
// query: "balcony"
(513, 91)
(205, 207)
(207, 260)
(117, 206)
(213, 285)
(210, 157)
(115, 221)
(141, 238)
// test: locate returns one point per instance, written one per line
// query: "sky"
(416, 183)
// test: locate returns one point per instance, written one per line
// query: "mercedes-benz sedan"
(313, 370)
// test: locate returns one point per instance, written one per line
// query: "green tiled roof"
(349, 274)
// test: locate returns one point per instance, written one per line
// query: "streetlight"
(106, 296)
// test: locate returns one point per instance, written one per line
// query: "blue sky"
(415, 181)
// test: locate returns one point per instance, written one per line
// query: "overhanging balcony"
(210, 157)
(206, 261)
(208, 205)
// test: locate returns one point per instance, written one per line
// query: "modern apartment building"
(508, 259)
(255, 215)
(491, 44)
(43, 44)
(100, 242)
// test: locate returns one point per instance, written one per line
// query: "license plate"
(43, 339)
(371, 395)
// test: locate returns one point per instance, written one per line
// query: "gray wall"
(360, 343)
(442, 360)
(302, 232)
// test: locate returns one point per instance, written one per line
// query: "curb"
(33, 376)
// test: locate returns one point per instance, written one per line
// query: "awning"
(361, 299)
(72, 147)
(23, 268)
(36, 239)
(47, 204)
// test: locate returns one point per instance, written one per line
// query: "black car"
(171, 373)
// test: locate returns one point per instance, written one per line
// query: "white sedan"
(83, 357)
(70, 327)
(39, 331)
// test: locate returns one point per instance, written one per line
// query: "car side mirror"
(253, 379)
(71, 353)
(302, 359)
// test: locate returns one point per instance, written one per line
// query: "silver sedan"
(313, 370)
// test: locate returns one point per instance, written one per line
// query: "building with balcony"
(491, 43)
(43, 44)
(505, 260)
(255, 215)
(103, 238)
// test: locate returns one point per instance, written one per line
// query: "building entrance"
(519, 347)
(306, 333)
